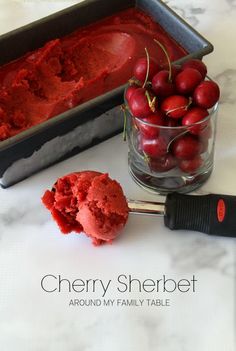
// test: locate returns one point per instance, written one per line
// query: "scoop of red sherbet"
(88, 202)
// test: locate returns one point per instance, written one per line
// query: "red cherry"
(175, 70)
(171, 122)
(140, 69)
(139, 142)
(172, 131)
(161, 85)
(204, 137)
(206, 94)
(186, 147)
(154, 148)
(139, 104)
(194, 115)
(206, 133)
(129, 92)
(197, 64)
(163, 164)
(175, 106)
(187, 80)
(190, 166)
(151, 131)
(205, 145)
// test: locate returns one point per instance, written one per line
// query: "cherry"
(175, 70)
(140, 69)
(162, 85)
(163, 164)
(151, 131)
(154, 148)
(187, 80)
(204, 137)
(171, 132)
(206, 94)
(206, 133)
(129, 92)
(195, 115)
(197, 64)
(204, 144)
(186, 147)
(138, 143)
(171, 122)
(139, 103)
(190, 166)
(175, 106)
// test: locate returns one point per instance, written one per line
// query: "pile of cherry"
(171, 97)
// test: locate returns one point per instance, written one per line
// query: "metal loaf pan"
(91, 122)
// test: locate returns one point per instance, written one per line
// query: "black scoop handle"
(213, 214)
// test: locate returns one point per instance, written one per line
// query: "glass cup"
(165, 159)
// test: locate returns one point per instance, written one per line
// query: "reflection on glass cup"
(166, 159)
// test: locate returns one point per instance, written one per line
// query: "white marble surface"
(31, 245)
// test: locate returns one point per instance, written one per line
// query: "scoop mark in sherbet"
(68, 71)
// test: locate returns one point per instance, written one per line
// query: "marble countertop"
(31, 246)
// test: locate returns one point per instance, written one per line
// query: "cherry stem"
(176, 137)
(151, 103)
(133, 81)
(190, 100)
(168, 58)
(185, 107)
(123, 108)
(148, 68)
(146, 159)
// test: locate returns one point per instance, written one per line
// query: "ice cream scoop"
(212, 214)
(93, 203)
